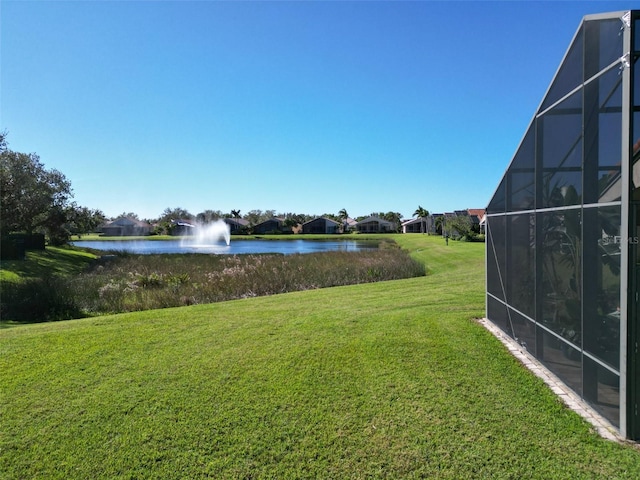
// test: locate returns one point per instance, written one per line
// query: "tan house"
(375, 224)
(126, 226)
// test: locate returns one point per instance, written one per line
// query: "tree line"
(252, 217)
(34, 199)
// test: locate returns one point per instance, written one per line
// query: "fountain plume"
(212, 233)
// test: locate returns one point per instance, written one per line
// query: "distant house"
(419, 225)
(348, 224)
(477, 217)
(273, 225)
(181, 227)
(375, 224)
(483, 224)
(321, 225)
(126, 226)
(237, 225)
(476, 212)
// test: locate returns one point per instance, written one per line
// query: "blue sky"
(305, 107)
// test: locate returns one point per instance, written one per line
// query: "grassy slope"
(53, 260)
(387, 380)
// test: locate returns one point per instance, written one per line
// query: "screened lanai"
(563, 259)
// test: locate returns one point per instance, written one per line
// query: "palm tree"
(421, 213)
(439, 225)
(235, 213)
(343, 215)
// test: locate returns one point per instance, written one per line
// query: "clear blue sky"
(305, 107)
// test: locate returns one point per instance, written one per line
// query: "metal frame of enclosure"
(563, 226)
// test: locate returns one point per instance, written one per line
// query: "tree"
(164, 223)
(393, 217)
(131, 215)
(290, 222)
(3, 141)
(461, 224)
(293, 219)
(235, 214)
(209, 216)
(331, 216)
(174, 214)
(254, 217)
(422, 214)
(83, 220)
(32, 198)
(36, 200)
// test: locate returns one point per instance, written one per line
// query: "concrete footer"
(604, 428)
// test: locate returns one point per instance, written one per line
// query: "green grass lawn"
(52, 261)
(386, 380)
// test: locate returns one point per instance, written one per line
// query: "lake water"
(286, 247)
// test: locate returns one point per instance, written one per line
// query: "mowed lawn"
(386, 380)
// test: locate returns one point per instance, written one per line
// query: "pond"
(285, 247)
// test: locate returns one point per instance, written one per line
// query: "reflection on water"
(285, 247)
